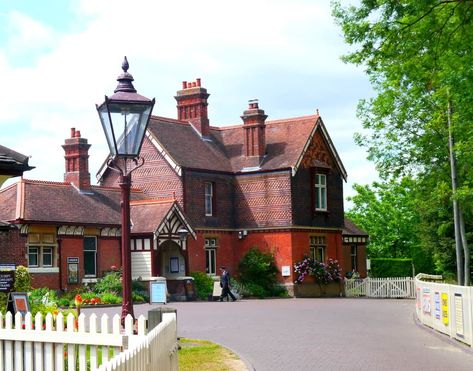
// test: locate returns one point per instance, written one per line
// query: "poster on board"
(157, 292)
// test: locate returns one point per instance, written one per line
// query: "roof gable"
(160, 217)
(319, 151)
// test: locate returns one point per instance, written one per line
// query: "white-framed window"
(211, 245)
(33, 256)
(90, 256)
(317, 246)
(320, 192)
(138, 244)
(41, 250)
(47, 256)
(209, 198)
(353, 257)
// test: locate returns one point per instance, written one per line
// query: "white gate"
(392, 287)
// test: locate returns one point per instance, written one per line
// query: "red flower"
(78, 300)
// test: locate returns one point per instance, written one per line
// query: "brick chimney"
(254, 128)
(77, 160)
(192, 105)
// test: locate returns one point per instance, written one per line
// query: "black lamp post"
(124, 117)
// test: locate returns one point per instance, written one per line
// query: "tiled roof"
(56, 202)
(147, 215)
(223, 150)
(351, 229)
(12, 162)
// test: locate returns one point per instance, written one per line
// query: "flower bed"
(323, 278)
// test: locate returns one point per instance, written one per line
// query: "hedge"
(391, 267)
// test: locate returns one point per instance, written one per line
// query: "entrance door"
(172, 262)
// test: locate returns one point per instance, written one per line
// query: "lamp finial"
(125, 65)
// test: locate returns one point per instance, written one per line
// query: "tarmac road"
(320, 334)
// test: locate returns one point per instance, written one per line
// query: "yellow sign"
(444, 308)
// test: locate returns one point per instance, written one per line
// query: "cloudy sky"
(59, 58)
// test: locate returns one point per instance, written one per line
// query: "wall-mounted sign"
(157, 292)
(7, 280)
(437, 305)
(72, 270)
(444, 297)
(7, 267)
(174, 264)
(286, 270)
(459, 315)
(426, 300)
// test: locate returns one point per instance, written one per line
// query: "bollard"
(155, 315)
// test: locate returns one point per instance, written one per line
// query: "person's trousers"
(225, 292)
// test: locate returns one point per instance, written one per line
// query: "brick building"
(276, 185)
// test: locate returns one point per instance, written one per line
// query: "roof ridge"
(169, 119)
(271, 122)
(154, 201)
(47, 182)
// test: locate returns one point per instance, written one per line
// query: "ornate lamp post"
(124, 117)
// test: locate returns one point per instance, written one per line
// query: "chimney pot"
(194, 84)
(184, 84)
(73, 132)
(77, 134)
(198, 82)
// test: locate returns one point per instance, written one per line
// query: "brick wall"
(108, 254)
(303, 189)
(225, 251)
(49, 280)
(263, 200)
(156, 178)
(223, 213)
(71, 247)
(12, 247)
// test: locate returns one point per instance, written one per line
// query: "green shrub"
(22, 279)
(109, 298)
(137, 298)
(203, 284)
(391, 267)
(140, 290)
(3, 302)
(110, 283)
(258, 273)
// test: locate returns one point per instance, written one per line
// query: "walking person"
(225, 284)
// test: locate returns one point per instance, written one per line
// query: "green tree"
(418, 56)
(388, 212)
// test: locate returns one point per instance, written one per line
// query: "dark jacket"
(225, 279)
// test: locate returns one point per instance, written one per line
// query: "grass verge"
(205, 355)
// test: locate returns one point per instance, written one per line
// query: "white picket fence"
(446, 308)
(392, 287)
(53, 344)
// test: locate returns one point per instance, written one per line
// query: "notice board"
(157, 292)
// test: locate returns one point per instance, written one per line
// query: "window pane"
(147, 244)
(47, 257)
(33, 256)
(90, 244)
(139, 244)
(90, 256)
(208, 205)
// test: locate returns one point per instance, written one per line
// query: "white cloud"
(241, 50)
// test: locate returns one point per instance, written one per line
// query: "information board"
(7, 280)
(157, 292)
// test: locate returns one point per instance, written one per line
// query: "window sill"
(89, 280)
(44, 270)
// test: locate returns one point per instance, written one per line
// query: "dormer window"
(320, 192)
(209, 199)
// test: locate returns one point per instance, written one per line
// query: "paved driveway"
(321, 334)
